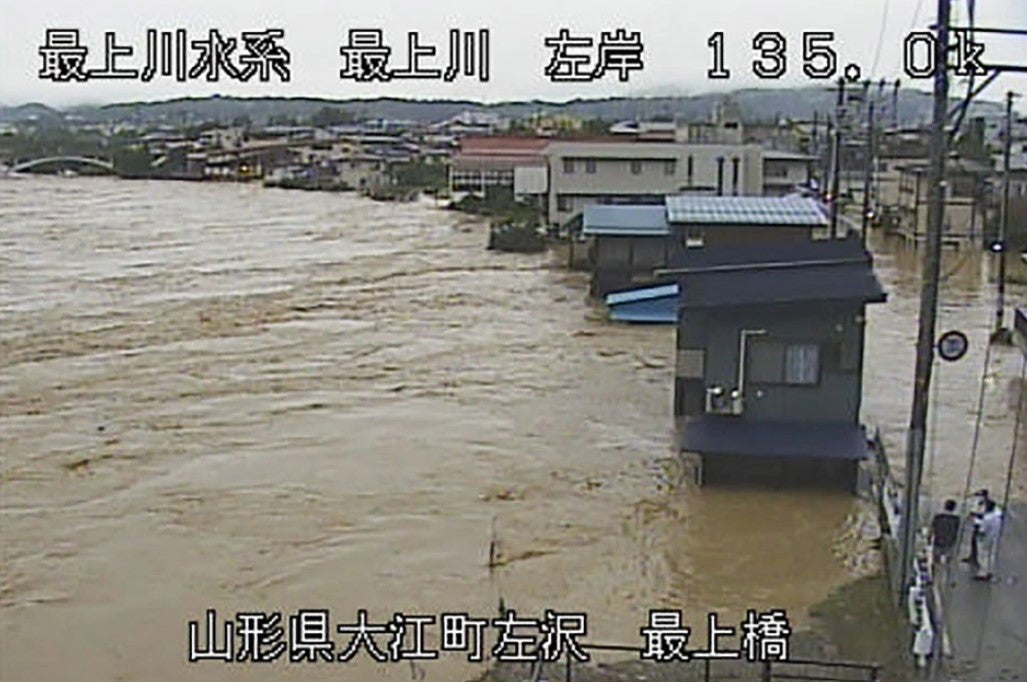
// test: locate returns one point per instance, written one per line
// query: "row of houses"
(341, 157)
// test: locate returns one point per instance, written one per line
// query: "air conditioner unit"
(720, 401)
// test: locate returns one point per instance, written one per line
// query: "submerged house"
(626, 245)
(768, 377)
(631, 244)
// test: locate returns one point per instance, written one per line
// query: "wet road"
(224, 396)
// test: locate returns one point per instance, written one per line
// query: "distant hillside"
(754, 104)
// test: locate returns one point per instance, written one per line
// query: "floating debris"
(517, 237)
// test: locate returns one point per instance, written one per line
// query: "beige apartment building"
(587, 172)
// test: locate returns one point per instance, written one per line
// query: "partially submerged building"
(513, 166)
(629, 244)
(626, 244)
(768, 377)
(965, 188)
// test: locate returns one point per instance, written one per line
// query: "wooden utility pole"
(868, 171)
(928, 298)
(1003, 222)
(837, 160)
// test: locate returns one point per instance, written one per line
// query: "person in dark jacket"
(945, 532)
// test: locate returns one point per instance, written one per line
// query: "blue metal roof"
(643, 294)
(829, 270)
(650, 305)
(732, 435)
(704, 210)
(626, 220)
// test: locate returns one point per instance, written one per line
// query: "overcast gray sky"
(674, 34)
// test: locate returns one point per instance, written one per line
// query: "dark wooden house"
(768, 378)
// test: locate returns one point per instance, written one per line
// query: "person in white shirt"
(976, 504)
(990, 527)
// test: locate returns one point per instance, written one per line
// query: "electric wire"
(1012, 454)
(975, 442)
(880, 41)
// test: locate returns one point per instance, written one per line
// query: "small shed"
(627, 243)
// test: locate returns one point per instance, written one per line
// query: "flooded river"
(224, 396)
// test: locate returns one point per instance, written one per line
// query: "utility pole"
(868, 171)
(837, 160)
(815, 143)
(825, 161)
(1003, 222)
(928, 298)
(895, 104)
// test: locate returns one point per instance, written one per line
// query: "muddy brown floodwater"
(224, 396)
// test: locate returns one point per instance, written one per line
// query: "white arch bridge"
(85, 160)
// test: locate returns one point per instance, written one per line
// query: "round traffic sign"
(952, 345)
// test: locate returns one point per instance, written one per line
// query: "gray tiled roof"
(700, 210)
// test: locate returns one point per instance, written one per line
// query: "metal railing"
(713, 670)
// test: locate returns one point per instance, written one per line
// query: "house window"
(773, 362)
(590, 165)
(563, 202)
(636, 167)
(568, 165)
(669, 166)
(802, 364)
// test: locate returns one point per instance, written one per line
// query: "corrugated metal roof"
(642, 221)
(700, 210)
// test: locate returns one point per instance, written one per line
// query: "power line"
(916, 15)
(880, 41)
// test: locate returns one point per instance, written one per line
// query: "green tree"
(133, 161)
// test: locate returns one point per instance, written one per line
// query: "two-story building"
(610, 171)
(768, 376)
(516, 165)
